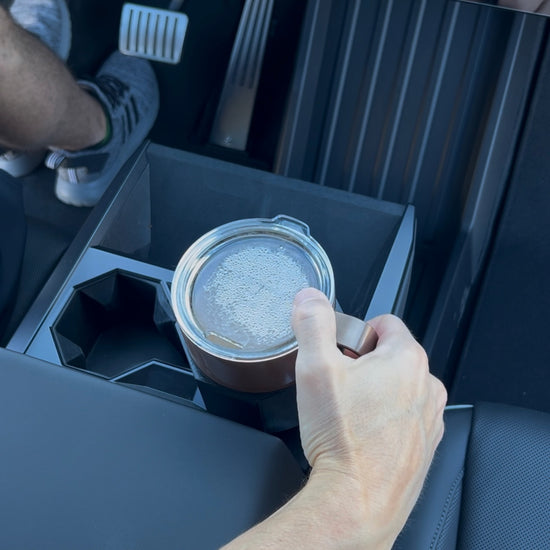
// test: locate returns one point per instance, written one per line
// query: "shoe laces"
(54, 160)
(76, 166)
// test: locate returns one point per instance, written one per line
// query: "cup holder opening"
(116, 322)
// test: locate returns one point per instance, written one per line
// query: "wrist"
(330, 512)
(347, 513)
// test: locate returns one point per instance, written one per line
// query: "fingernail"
(307, 294)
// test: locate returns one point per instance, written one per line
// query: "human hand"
(369, 425)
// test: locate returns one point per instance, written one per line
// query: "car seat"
(489, 483)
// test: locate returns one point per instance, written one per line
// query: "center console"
(106, 309)
(102, 333)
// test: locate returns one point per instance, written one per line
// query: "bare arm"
(369, 429)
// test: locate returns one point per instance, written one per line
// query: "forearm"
(329, 512)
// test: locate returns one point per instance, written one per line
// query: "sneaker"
(50, 21)
(127, 89)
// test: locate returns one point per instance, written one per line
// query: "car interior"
(411, 137)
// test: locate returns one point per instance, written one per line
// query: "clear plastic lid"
(233, 289)
(242, 297)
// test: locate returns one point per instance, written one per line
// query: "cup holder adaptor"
(116, 322)
(161, 379)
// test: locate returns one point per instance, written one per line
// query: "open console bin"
(111, 316)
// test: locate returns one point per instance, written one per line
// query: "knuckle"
(441, 393)
(438, 393)
(416, 356)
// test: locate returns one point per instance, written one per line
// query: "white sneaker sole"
(85, 193)
(89, 193)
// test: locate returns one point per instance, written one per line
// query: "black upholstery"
(489, 484)
(506, 501)
(88, 464)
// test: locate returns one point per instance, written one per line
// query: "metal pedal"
(152, 33)
(232, 122)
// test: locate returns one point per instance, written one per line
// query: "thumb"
(314, 327)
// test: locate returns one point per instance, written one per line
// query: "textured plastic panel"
(415, 102)
(401, 100)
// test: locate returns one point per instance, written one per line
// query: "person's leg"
(50, 21)
(42, 104)
(127, 88)
(91, 126)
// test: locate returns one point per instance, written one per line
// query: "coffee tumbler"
(232, 296)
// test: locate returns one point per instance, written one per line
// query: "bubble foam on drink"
(243, 296)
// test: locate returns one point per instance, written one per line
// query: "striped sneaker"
(128, 91)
